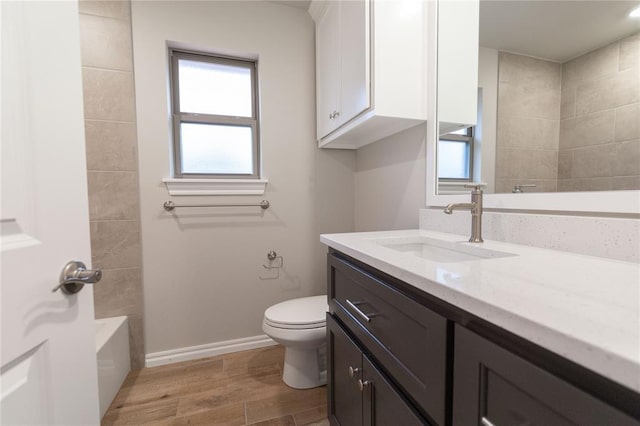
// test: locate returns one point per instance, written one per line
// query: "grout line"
(103, 120)
(111, 171)
(107, 69)
(244, 404)
(104, 16)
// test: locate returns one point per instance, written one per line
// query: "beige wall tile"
(136, 341)
(595, 161)
(113, 196)
(520, 101)
(591, 66)
(115, 244)
(615, 90)
(629, 53)
(119, 293)
(626, 158)
(587, 184)
(626, 183)
(108, 95)
(593, 129)
(628, 122)
(105, 43)
(119, 9)
(528, 132)
(526, 164)
(565, 163)
(111, 145)
(568, 103)
(541, 185)
(525, 71)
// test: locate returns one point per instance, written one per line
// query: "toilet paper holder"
(272, 255)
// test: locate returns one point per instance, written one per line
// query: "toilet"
(300, 326)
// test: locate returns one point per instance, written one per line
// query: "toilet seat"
(303, 313)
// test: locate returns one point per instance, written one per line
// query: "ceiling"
(554, 30)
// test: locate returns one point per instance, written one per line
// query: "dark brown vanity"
(400, 356)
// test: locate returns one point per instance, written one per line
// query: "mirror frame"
(591, 202)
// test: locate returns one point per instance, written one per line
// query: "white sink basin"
(441, 250)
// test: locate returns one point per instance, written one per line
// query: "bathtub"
(112, 350)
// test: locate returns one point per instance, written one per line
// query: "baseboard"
(210, 349)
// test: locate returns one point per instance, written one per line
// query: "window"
(455, 155)
(215, 116)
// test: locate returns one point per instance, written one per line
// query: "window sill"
(177, 186)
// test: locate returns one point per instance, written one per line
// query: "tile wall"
(112, 164)
(600, 119)
(529, 93)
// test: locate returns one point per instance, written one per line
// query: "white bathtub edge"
(113, 359)
(109, 326)
(171, 356)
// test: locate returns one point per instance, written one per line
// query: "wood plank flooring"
(242, 388)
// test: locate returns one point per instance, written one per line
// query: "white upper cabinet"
(370, 69)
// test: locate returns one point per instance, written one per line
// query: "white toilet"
(300, 326)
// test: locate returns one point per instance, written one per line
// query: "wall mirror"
(555, 111)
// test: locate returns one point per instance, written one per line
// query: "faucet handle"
(476, 186)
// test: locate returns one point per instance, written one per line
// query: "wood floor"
(243, 388)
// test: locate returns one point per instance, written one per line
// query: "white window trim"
(186, 186)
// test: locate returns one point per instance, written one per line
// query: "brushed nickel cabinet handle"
(364, 384)
(485, 422)
(361, 314)
(353, 371)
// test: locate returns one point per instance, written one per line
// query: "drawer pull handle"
(353, 371)
(354, 306)
(486, 422)
(362, 385)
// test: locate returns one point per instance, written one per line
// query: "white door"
(47, 357)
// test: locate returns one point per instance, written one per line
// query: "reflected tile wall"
(110, 132)
(600, 127)
(529, 108)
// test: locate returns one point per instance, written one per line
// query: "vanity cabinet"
(360, 394)
(370, 69)
(405, 339)
(422, 360)
(500, 388)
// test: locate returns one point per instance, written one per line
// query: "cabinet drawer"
(495, 386)
(407, 339)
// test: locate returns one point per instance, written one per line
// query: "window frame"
(179, 117)
(469, 138)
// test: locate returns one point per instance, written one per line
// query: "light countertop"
(585, 308)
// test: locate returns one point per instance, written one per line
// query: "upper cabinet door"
(327, 68)
(354, 59)
(370, 69)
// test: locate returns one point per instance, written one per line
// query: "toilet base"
(305, 368)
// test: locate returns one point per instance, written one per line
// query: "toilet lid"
(308, 311)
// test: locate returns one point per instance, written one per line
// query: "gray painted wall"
(203, 268)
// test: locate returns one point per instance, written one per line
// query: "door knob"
(75, 275)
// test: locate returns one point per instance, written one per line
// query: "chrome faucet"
(475, 206)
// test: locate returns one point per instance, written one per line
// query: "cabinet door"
(495, 387)
(327, 69)
(345, 398)
(382, 404)
(354, 59)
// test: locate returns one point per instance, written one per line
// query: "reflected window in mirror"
(455, 156)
